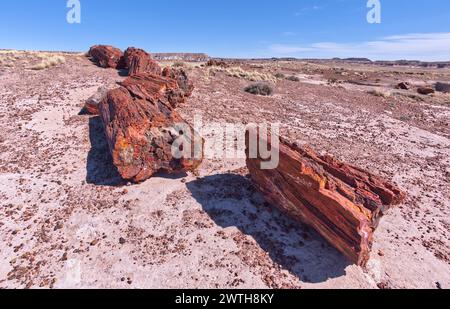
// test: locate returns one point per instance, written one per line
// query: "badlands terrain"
(67, 220)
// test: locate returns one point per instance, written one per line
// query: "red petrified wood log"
(341, 202)
(92, 104)
(139, 61)
(141, 127)
(107, 56)
(148, 85)
(185, 85)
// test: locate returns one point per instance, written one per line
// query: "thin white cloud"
(421, 46)
(308, 9)
(289, 33)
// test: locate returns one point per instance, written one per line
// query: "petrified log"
(142, 130)
(107, 56)
(403, 86)
(186, 87)
(341, 202)
(92, 104)
(139, 61)
(425, 90)
(151, 86)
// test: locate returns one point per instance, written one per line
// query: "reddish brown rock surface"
(151, 86)
(403, 86)
(185, 86)
(139, 118)
(107, 56)
(341, 202)
(140, 126)
(139, 61)
(92, 104)
(425, 90)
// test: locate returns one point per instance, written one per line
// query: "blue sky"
(410, 29)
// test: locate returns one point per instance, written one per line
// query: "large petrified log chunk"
(185, 85)
(151, 86)
(341, 202)
(139, 61)
(141, 128)
(107, 56)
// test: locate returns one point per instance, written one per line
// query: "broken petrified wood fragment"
(107, 56)
(92, 104)
(151, 86)
(425, 90)
(144, 133)
(139, 61)
(148, 86)
(185, 86)
(182, 79)
(342, 203)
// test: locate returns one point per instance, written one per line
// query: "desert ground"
(67, 220)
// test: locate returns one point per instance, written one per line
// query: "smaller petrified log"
(425, 90)
(341, 202)
(139, 61)
(92, 104)
(186, 87)
(143, 130)
(403, 86)
(107, 56)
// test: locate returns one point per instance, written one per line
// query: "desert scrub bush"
(280, 76)
(48, 61)
(332, 80)
(253, 76)
(293, 78)
(259, 89)
(179, 64)
(379, 93)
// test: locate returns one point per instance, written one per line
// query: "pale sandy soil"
(66, 219)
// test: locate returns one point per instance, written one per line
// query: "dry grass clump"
(280, 75)
(380, 93)
(26, 59)
(179, 64)
(259, 89)
(48, 61)
(9, 57)
(6, 61)
(253, 76)
(332, 81)
(239, 72)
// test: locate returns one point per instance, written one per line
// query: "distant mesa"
(358, 59)
(190, 57)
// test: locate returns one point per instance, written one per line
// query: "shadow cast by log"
(100, 168)
(231, 201)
